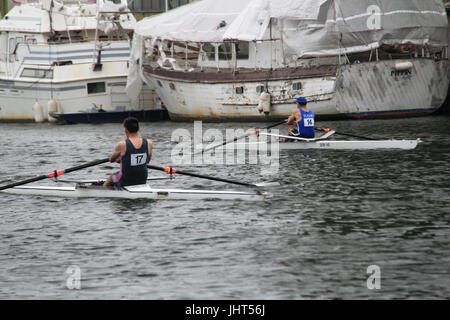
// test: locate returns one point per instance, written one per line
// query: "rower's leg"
(109, 182)
(113, 179)
(289, 133)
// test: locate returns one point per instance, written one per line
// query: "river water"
(336, 214)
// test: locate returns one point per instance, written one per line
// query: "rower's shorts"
(116, 178)
(295, 133)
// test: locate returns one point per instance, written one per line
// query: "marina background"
(25, 108)
(335, 214)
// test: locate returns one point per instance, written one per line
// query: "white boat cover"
(308, 28)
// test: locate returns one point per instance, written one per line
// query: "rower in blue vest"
(303, 119)
(133, 154)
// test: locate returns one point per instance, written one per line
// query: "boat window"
(62, 63)
(297, 86)
(172, 86)
(159, 83)
(77, 38)
(31, 40)
(210, 51)
(225, 51)
(37, 73)
(96, 87)
(239, 90)
(260, 89)
(242, 51)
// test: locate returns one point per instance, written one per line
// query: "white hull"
(18, 103)
(370, 89)
(69, 89)
(342, 145)
(134, 192)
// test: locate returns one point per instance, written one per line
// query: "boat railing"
(192, 56)
(63, 42)
(83, 40)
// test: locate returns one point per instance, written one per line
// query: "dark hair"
(132, 124)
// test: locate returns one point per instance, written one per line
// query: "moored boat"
(66, 56)
(249, 59)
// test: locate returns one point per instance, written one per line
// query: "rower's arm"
(291, 120)
(119, 151)
(150, 148)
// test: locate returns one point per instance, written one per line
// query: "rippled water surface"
(335, 214)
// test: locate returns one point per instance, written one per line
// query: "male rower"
(133, 154)
(303, 119)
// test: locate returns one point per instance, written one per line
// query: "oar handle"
(171, 170)
(222, 144)
(87, 165)
(275, 125)
(347, 134)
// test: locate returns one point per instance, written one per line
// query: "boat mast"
(96, 65)
(50, 9)
(271, 44)
(339, 69)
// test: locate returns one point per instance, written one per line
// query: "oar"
(240, 137)
(55, 173)
(171, 170)
(348, 135)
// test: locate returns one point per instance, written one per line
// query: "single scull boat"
(133, 192)
(322, 142)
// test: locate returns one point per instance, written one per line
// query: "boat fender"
(38, 113)
(402, 66)
(264, 103)
(52, 106)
